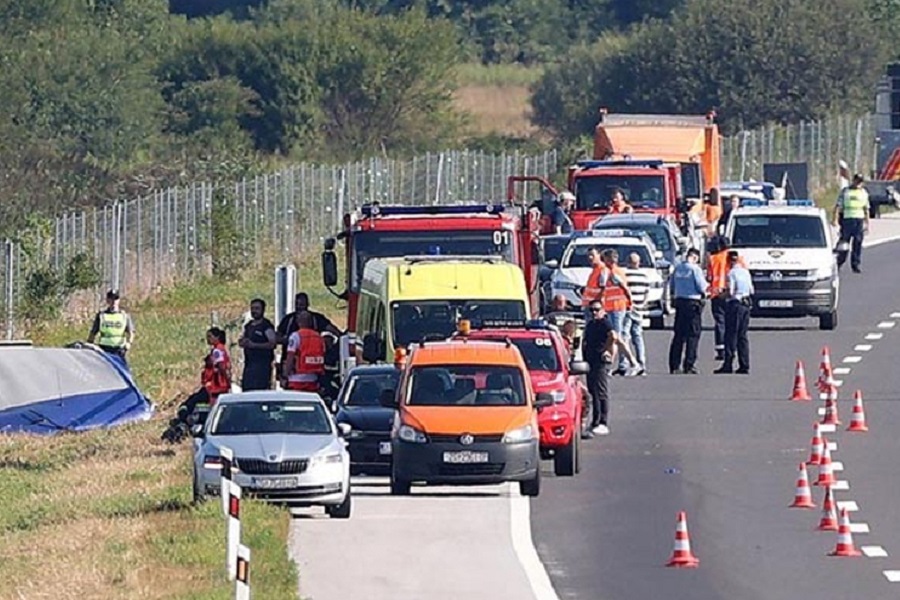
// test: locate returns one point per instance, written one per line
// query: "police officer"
(304, 364)
(114, 326)
(851, 212)
(688, 290)
(737, 316)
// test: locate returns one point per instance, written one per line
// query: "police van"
(788, 248)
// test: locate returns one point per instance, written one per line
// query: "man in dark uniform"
(258, 342)
(737, 316)
(600, 340)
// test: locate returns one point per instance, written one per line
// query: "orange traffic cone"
(844, 545)
(815, 453)
(829, 514)
(826, 375)
(826, 470)
(800, 392)
(803, 497)
(831, 408)
(682, 556)
(858, 418)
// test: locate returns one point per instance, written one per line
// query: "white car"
(574, 269)
(287, 450)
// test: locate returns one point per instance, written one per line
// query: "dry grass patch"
(502, 109)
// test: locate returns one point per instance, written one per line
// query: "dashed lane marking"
(892, 576)
(886, 324)
(874, 336)
(874, 551)
(859, 528)
(862, 347)
(895, 315)
(829, 428)
(842, 370)
(821, 410)
(852, 359)
(848, 505)
(832, 446)
(841, 485)
(837, 466)
(838, 382)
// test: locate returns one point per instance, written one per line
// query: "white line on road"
(838, 382)
(837, 466)
(874, 336)
(520, 523)
(841, 485)
(829, 428)
(821, 411)
(848, 505)
(895, 315)
(832, 446)
(859, 528)
(852, 359)
(862, 348)
(886, 324)
(892, 576)
(874, 551)
(842, 370)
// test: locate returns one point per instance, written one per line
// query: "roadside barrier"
(858, 418)
(803, 496)
(682, 555)
(817, 445)
(237, 556)
(845, 545)
(829, 512)
(801, 391)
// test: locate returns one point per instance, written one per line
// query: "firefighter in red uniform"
(304, 363)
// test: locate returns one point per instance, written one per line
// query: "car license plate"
(384, 448)
(776, 303)
(465, 457)
(273, 483)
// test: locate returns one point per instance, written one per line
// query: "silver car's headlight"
(521, 434)
(325, 459)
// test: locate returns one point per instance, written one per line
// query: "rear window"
(778, 231)
(538, 352)
(466, 385)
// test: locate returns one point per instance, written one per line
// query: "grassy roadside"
(107, 514)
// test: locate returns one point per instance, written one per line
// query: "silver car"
(287, 449)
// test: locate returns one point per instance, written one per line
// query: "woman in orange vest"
(305, 360)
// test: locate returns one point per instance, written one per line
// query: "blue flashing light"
(800, 202)
(591, 164)
(370, 210)
(434, 251)
(752, 202)
(538, 324)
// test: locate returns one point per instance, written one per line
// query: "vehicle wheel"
(399, 487)
(340, 511)
(532, 487)
(199, 495)
(564, 463)
(657, 322)
(828, 321)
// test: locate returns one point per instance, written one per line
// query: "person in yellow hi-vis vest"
(851, 211)
(113, 326)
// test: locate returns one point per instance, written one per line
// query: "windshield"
(641, 191)
(554, 247)
(578, 257)
(466, 385)
(538, 352)
(366, 390)
(413, 321)
(658, 233)
(255, 418)
(461, 242)
(774, 231)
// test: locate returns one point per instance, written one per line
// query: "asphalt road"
(725, 449)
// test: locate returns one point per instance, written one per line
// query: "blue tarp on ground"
(50, 390)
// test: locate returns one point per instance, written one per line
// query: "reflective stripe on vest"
(112, 329)
(592, 288)
(614, 298)
(856, 201)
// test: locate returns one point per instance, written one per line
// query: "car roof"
(770, 209)
(363, 370)
(270, 396)
(465, 352)
(606, 241)
(510, 332)
(632, 217)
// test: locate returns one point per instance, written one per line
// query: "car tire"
(565, 460)
(399, 487)
(828, 321)
(658, 322)
(531, 487)
(199, 495)
(342, 510)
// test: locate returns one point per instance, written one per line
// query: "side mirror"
(543, 400)
(373, 348)
(329, 268)
(197, 430)
(388, 398)
(552, 263)
(579, 367)
(344, 429)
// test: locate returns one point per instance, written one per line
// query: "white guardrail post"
(242, 581)
(227, 464)
(234, 529)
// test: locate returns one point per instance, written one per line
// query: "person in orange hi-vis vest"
(717, 276)
(616, 300)
(712, 211)
(304, 363)
(593, 289)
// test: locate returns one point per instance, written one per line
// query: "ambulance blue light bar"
(591, 164)
(371, 210)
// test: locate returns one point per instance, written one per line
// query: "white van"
(789, 249)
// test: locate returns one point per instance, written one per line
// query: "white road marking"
(848, 505)
(838, 382)
(886, 324)
(842, 370)
(895, 315)
(829, 428)
(874, 336)
(520, 523)
(837, 465)
(892, 576)
(821, 411)
(862, 348)
(841, 485)
(859, 528)
(874, 551)
(852, 359)
(832, 446)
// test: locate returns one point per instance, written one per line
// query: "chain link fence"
(142, 244)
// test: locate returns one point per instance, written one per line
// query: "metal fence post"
(10, 289)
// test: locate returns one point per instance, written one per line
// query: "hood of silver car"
(273, 447)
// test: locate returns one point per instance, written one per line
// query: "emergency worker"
(737, 321)
(616, 299)
(114, 326)
(561, 219)
(712, 210)
(688, 291)
(593, 289)
(304, 363)
(716, 275)
(851, 212)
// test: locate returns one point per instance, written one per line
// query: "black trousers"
(598, 388)
(718, 312)
(737, 339)
(256, 377)
(688, 326)
(852, 232)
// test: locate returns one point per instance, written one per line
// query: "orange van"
(466, 414)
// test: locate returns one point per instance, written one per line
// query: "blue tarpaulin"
(50, 390)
